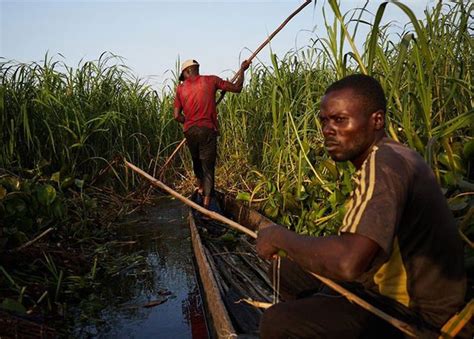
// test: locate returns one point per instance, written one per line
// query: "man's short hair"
(365, 86)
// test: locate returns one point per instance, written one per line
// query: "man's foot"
(206, 202)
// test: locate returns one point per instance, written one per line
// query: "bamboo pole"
(205, 211)
(402, 326)
(266, 42)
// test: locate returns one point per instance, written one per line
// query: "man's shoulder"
(391, 149)
(210, 78)
(399, 158)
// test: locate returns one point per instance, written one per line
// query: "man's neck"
(361, 158)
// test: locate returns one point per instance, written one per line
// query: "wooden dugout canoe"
(230, 270)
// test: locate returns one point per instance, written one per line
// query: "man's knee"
(319, 316)
(272, 323)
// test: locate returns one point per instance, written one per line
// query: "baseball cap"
(186, 64)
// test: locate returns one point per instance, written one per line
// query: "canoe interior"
(230, 270)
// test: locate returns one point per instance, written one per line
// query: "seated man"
(398, 237)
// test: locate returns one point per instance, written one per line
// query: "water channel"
(160, 300)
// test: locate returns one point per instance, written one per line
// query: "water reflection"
(160, 299)
(192, 309)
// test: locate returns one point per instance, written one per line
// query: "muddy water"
(161, 298)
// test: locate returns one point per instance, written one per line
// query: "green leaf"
(331, 167)
(451, 179)
(46, 195)
(79, 183)
(12, 184)
(13, 305)
(56, 177)
(58, 209)
(243, 196)
(67, 182)
(458, 203)
(271, 210)
(468, 150)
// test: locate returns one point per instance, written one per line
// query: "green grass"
(76, 121)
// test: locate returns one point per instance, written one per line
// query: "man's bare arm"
(343, 257)
(236, 87)
(178, 116)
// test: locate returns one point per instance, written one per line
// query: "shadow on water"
(161, 298)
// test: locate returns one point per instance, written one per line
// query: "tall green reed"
(75, 121)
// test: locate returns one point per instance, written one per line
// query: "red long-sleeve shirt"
(196, 97)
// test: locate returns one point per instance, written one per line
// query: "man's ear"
(379, 119)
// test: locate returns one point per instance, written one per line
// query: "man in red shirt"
(196, 97)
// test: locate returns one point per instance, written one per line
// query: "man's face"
(190, 71)
(349, 132)
(186, 73)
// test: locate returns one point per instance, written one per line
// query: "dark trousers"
(202, 143)
(311, 310)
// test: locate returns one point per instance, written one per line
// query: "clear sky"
(151, 35)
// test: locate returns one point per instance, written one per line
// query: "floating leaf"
(46, 195)
(79, 183)
(56, 177)
(271, 210)
(155, 303)
(58, 209)
(13, 305)
(468, 150)
(67, 182)
(458, 203)
(243, 196)
(12, 184)
(451, 179)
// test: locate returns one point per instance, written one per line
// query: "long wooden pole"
(254, 54)
(266, 42)
(402, 326)
(205, 211)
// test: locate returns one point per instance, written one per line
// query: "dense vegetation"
(65, 130)
(273, 129)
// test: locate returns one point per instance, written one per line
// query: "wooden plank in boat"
(220, 318)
